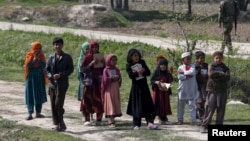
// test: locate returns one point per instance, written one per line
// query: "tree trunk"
(189, 7)
(118, 4)
(126, 5)
(243, 4)
(112, 4)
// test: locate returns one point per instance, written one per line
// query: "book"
(111, 73)
(164, 86)
(135, 68)
(99, 57)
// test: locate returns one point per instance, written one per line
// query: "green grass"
(15, 44)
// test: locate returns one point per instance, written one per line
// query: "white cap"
(185, 54)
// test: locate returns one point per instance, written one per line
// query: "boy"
(218, 77)
(187, 90)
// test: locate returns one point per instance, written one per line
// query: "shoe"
(29, 117)
(99, 123)
(56, 128)
(112, 125)
(152, 126)
(62, 126)
(203, 130)
(39, 116)
(179, 122)
(136, 128)
(87, 123)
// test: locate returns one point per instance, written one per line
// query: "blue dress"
(35, 91)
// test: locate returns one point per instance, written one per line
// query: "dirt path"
(12, 108)
(243, 49)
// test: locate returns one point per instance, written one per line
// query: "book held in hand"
(100, 58)
(164, 86)
(135, 68)
(111, 73)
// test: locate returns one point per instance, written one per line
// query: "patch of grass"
(30, 133)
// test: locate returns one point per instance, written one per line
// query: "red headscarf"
(36, 47)
(90, 56)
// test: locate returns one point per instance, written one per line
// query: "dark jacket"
(64, 67)
(218, 82)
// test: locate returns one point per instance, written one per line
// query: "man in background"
(228, 14)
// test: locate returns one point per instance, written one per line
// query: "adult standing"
(59, 67)
(228, 13)
(35, 80)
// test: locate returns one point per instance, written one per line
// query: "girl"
(84, 50)
(111, 83)
(161, 96)
(91, 101)
(140, 102)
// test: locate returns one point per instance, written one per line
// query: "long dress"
(35, 92)
(140, 102)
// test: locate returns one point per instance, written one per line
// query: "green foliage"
(30, 133)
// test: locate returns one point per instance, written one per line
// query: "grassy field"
(15, 44)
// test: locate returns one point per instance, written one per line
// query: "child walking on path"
(187, 90)
(160, 78)
(111, 83)
(140, 102)
(218, 77)
(201, 77)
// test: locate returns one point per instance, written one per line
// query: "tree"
(118, 4)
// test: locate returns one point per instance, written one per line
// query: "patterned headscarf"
(36, 47)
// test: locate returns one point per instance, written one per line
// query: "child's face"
(113, 61)
(135, 57)
(95, 49)
(163, 67)
(218, 59)
(200, 59)
(186, 60)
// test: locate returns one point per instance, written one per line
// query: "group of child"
(198, 83)
(203, 87)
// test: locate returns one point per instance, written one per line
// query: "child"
(187, 90)
(111, 83)
(84, 50)
(91, 100)
(201, 77)
(140, 102)
(161, 96)
(218, 77)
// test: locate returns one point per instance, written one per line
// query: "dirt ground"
(12, 107)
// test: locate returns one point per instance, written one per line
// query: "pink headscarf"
(106, 80)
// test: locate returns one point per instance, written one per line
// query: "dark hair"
(57, 40)
(131, 52)
(216, 53)
(199, 54)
